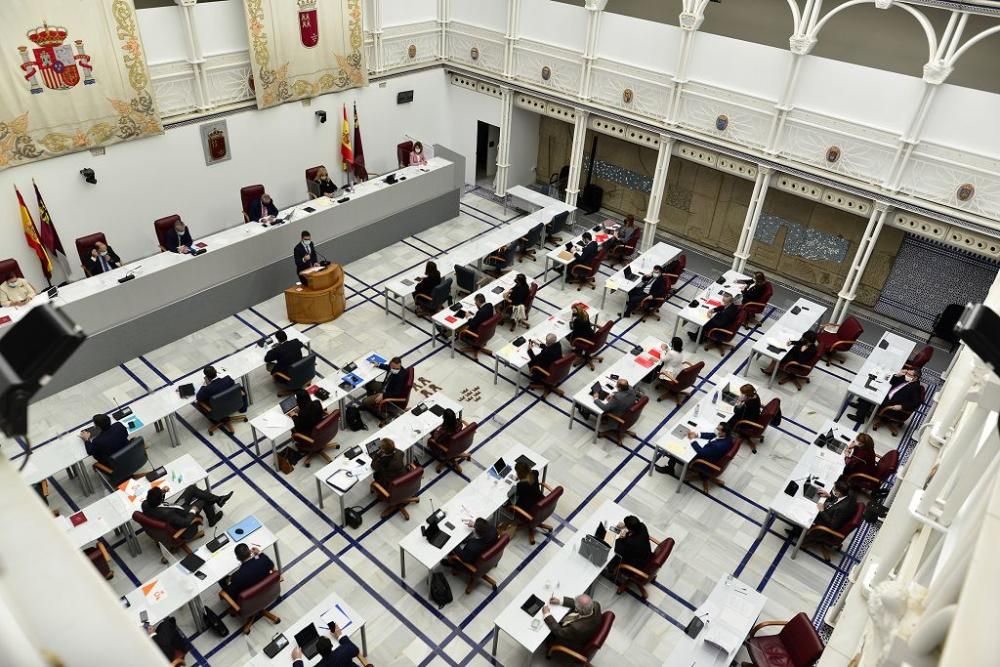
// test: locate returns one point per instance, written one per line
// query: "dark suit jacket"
(250, 572)
(171, 241)
(473, 547)
(747, 410)
(908, 396)
(801, 353)
(574, 631)
(284, 355)
(581, 328)
(216, 386)
(483, 314)
(307, 418)
(259, 209)
(519, 294)
(172, 515)
(527, 494)
(387, 468)
(106, 443)
(835, 515)
(301, 264)
(394, 385)
(713, 450)
(548, 356)
(658, 288)
(753, 292)
(634, 550)
(94, 263)
(325, 187)
(862, 460)
(342, 656)
(588, 253)
(427, 284)
(724, 316)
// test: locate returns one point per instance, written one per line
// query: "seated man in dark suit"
(393, 385)
(551, 352)
(620, 401)
(342, 656)
(578, 626)
(483, 537)
(715, 447)
(213, 385)
(102, 258)
(484, 311)
(254, 566)
(283, 353)
(835, 509)
(388, 463)
(305, 253)
(104, 439)
(262, 208)
(904, 396)
(755, 288)
(308, 412)
(178, 239)
(585, 255)
(182, 512)
(654, 286)
(722, 317)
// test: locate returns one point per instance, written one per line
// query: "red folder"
(78, 518)
(645, 362)
(653, 352)
(5, 319)
(451, 319)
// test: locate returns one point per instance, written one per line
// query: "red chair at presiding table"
(403, 151)
(841, 340)
(312, 190)
(585, 654)
(797, 645)
(8, 265)
(85, 244)
(248, 195)
(639, 577)
(161, 225)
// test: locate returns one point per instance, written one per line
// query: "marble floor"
(716, 534)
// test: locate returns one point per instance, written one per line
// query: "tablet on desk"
(533, 605)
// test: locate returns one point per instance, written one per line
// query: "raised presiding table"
(632, 366)
(449, 320)
(819, 467)
(332, 609)
(729, 613)
(566, 252)
(801, 317)
(567, 574)
(710, 298)
(175, 587)
(515, 353)
(482, 497)
(871, 383)
(659, 254)
(352, 470)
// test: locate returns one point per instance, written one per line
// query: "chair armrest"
(380, 489)
(749, 422)
(559, 648)
(103, 468)
(104, 551)
(724, 330)
(829, 531)
(843, 343)
(586, 341)
(44, 485)
(764, 624)
(754, 303)
(546, 487)
(205, 407)
(796, 366)
(232, 603)
(654, 540)
(615, 417)
(177, 662)
(458, 561)
(470, 333)
(303, 438)
(177, 533)
(423, 296)
(518, 510)
(635, 571)
(865, 477)
(540, 370)
(283, 376)
(707, 464)
(401, 399)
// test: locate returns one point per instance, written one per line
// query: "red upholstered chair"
(709, 472)
(841, 339)
(884, 469)
(797, 373)
(585, 654)
(555, 374)
(720, 337)
(584, 274)
(619, 426)
(453, 448)
(639, 577)
(650, 305)
(827, 538)
(755, 308)
(85, 244)
(528, 303)
(486, 562)
(161, 225)
(917, 361)
(248, 195)
(895, 419)
(797, 645)
(403, 151)
(681, 265)
(476, 341)
(312, 190)
(755, 428)
(534, 518)
(680, 384)
(99, 556)
(163, 533)
(8, 265)
(319, 439)
(253, 602)
(400, 492)
(620, 253)
(393, 407)
(587, 348)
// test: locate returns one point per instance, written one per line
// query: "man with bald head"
(541, 361)
(578, 626)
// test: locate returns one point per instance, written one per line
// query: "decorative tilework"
(804, 242)
(614, 173)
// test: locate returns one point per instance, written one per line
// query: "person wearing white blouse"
(673, 359)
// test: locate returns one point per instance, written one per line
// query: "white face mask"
(306, 241)
(103, 252)
(12, 283)
(394, 370)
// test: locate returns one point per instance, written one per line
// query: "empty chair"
(531, 241)
(453, 448)
(720, 337)
(319, 439)
(99, 556)
(248, 195)
(681, 265)
(555, 374)
(534, 518)
(161, 225)
(467, 281)
(640, 577)
(755, 428)
(680, 384)
(585, 274)
(84, 245)
(429, 304)
(298, 375)
(587, 348)
(620, 253)
(221, 409)
(125, 464)
(895, 419)
(403, 150)
(884, 469)
(164, 534)
(619, 425)
(585, 654)
(840, 339)
(500, 259)
(312, 187)
(797, 645)
(710, 472)
(556, 225)
(476, 341)
(252, 603)
(400, 492)
(798, 373)
(916, 362)
(483, 564)
(827, 538)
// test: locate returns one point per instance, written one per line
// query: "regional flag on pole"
(31, 236)
(360, 172)
(346, 155)
(49, 236)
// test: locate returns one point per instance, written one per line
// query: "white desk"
(802, 316)
(871, 383)
(825, 464)
(405, 431)
(629, 366)
(560, 256)
(702, 313)
(660, 254)
(446, 319)
(729, 612)
(67, 453)
(567, 574)
(516, 356)
(532, 199)
(482, 497)
(331, 609)
(174, 587)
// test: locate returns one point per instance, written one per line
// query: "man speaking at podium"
(305, 254)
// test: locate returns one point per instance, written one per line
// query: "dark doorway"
(487, 145)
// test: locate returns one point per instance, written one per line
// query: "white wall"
(401, 12)
(965, 119)
(221, 27)
(486, 13)
(465, 108)
(553, 23)
(523, 147)
(642, 43)
(163, 34)
(741, 66)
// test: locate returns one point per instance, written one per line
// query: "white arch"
(921, 19)
(796, 16)
(972, 42)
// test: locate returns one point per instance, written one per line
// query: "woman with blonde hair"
(323, 186)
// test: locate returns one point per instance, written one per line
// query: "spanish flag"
(31, 236)
(346, 154)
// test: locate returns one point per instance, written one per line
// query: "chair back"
(127, 461)
(405, 486)
(801, 641)
(724, 462)
(311, 186)
(633, 413)
(85, 244)
(917, 361)
(854, 521)
(322, 433)
(489, 558)
(659, 558)
(558, 223)
(487, 330)
(544, 508)
(459, 442)
(850, 330)
(768, 413)
(158, 531)
(8, 265)
(226, 403)
(260, 596)
(534, 236)
(601, 335)
(465, 279)
(560, 368)
(681, 265)
(301, 372)
(804, 369)
(407, 388)
(688, 376)
(594, 644)
(403, 151)
(442, 292)
(161, 226)
(756, 307)
(248, 195)
(887, 465)
(530, 301)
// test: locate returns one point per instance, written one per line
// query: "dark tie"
(104, 263)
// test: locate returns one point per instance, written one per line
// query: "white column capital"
(186, 3)
(936, 72)
(764, 170)
(691, 21)
(596, 5)
(883, 4)
(801, 45)
(882, 207)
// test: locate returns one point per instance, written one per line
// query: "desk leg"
(453, 337)
(246, 388)
(572, 414)
(158, 426)
(697, 338)
(545, 274)
(496, 368)
(653, 459)
(256, 442)
(496, 640)
(85, 482)
(171, 425)
(768, 520)
(683, 476)
(319, 492)
(604, 297)
(364, 641)
(197, 613)
(677, 324)
(545, 472)
(597, 426)
(774, 374)
(277, 555)
(402, 563)
(341, 405)
(402, 307)
(843, 406)
(132, 539)
(517, 380)
(565, 271)
(274, 454)
(343, 511)
(386, 294)
(798, 542)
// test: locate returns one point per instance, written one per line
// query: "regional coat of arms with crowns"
(55, 61)
(308, 23)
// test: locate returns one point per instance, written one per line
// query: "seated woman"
(323, 186)
(673, 360)
(632, 544)
(417, 158)
(802, 352)
(747, 406)
(527, 492)
(622, 234)
(859, 457)
(308, 413)
(579, 324)
(450, 425)
(515, 299)
(431, 279)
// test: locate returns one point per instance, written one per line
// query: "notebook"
(192, 562)
(243, 529)
(306, 639)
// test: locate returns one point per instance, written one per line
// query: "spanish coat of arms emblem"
(55, 61)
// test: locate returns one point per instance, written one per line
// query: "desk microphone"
(324, 261)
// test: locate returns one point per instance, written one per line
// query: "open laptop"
(500, 469)
(306, 638)
(372, 447)
(601, 533)
(288, 404)
(628, 273)
(243, 529)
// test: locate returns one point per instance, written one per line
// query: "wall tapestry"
(72, 77)
(304, 48)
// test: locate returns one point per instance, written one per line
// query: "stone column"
(195, 59)
(594, 9)
(656, 192)
(503, 150)
(860, 262)
(691, 18)
(576, 156)
(754, 209)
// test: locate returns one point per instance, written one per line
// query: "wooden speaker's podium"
(321, 299)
